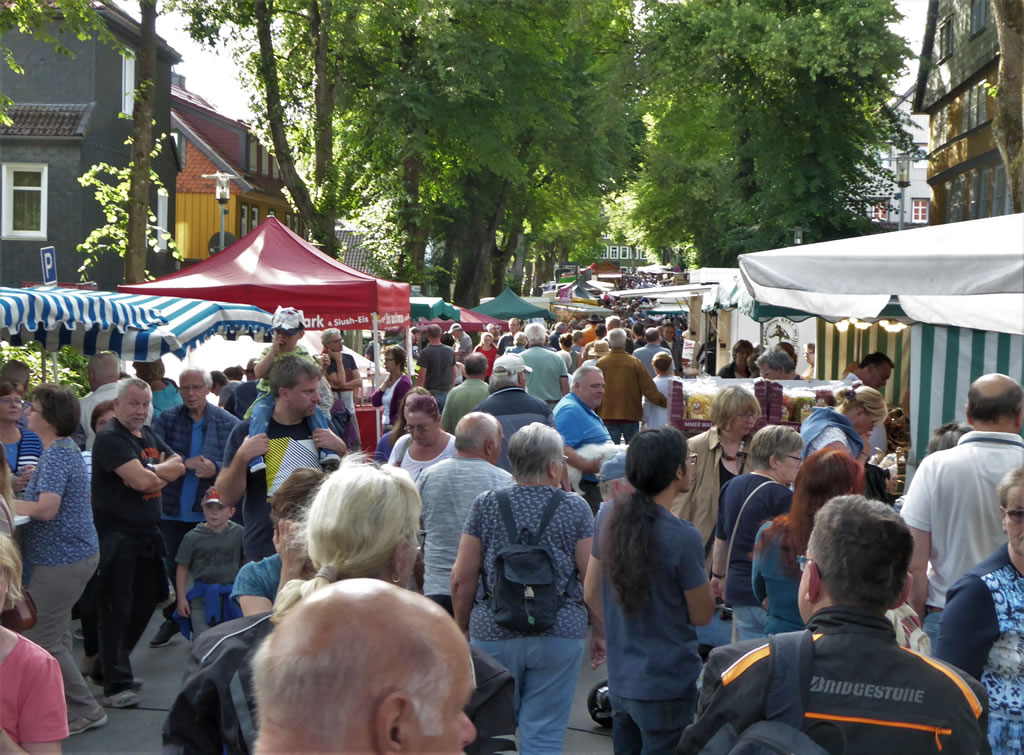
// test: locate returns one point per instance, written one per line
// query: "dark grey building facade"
(67, 117)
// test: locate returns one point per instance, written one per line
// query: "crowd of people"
(528, 504)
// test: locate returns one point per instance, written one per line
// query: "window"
(264, 161)
(271, 213)
(979, 112)
(161, 220)
(966, 101)
(254, 216)
(946, 39)
(919, 211)
(615, 253)
(275, 169)
(243, 221)
(985, 193)
(127, 84)
(955, 199)
(253, 165)
(24, 201)
(941, 124)
(1001, 200)
(974, 196)
(880, 211)
(979, 10)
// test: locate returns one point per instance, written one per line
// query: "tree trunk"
(142, 145)
(499, 265)
(414, 246)
(1008, 125)
(321, 226)
(475, 260)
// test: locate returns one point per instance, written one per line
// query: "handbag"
(732, 539)
(23, 615)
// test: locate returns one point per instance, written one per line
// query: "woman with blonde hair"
(718, 455)
(848, 425)
(364, 522)
(6, 497)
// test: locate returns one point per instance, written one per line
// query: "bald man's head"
(994, 403)
(362, 665)
(479, 435)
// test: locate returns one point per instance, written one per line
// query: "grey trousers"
(55, 589)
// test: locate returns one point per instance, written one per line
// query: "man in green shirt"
(462, 399)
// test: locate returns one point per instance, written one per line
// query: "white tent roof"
(967, 274)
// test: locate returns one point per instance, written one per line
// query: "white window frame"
(253, 155)
(614, 253)
(919, 210)
(254, 216)
(7, 181)
(127, 84)
(880, 211)
(243, 222)
(947, 42)
(624, 253)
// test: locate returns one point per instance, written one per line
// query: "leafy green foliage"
(72, 366)
(763, 116)
(112, 188)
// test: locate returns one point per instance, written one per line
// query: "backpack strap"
(789, 677)
(505, 509)
(548, 514)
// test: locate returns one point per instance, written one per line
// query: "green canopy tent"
(432, 308)
(507, 305)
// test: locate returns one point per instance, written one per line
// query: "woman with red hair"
(776, 576)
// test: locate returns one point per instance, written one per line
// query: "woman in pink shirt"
(33, 716)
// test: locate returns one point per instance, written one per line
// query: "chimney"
(178, 80)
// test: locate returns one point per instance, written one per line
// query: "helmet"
(600, 705)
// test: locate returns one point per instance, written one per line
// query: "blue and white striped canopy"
(164, 324)
(27, 310)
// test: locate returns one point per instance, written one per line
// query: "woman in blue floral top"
(60, 546)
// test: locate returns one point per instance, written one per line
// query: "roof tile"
(47, 120)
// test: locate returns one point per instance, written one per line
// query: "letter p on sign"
(49, 260)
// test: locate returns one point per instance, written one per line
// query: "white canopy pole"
(376, 369)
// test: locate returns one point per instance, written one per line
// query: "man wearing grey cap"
(612, 480)
(509, 402)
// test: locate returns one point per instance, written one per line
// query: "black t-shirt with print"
(291, 447)
(117, 507)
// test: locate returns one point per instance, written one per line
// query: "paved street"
(138, 730)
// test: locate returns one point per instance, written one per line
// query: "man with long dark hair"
(646, 579)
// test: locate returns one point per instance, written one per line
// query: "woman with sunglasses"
(983, 623)
(747, 502)
(22, 447)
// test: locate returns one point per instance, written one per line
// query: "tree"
(764, 115)
(40, 19)
(113, 188)
(1008, 125)
(142, 146)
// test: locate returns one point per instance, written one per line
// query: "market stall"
(507, 305)
(433, 308)
(472, 322)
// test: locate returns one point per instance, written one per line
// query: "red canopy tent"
(271, 267)
(471, 322)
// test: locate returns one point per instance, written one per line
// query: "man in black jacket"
(867, 694)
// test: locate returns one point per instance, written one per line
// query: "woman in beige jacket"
(720, 457)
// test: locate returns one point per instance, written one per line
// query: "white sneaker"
(126, 698)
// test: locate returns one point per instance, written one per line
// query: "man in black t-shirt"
(437, 366)
(130, 467)
(287, 445)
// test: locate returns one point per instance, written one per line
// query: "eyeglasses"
(802, 562)
(12, 401)
(418, 428)
(797, 459)
(1015, 515)
(692, 458)
(421, 538)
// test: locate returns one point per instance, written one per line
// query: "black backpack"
(525, 596)
(785, 700)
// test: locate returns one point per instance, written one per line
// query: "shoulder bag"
(23, 615)
(732, 539)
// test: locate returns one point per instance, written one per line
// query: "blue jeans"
(931, 622)
(625, 430)
(440, 397)
(749, 621)
(650, 727)
(546, 670)
(263, 408)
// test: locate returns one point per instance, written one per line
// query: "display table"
(366, 417)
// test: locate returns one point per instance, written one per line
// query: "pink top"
(32, 707)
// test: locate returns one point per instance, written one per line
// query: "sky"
(213, 76)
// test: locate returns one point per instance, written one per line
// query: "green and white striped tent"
(836, 350)
(946, 361)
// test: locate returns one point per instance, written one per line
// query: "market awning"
(472, 322)
(28, 312)
(968, 274)
(177, 324)
(432, 308)
(507, 305)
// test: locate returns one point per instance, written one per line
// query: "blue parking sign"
(49, 259)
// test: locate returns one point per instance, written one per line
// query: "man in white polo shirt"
(952, 507)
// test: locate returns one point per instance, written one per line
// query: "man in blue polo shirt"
(577, 422)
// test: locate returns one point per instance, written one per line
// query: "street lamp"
(222, 193)
(902, 180)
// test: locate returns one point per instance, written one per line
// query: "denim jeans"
(749, 621)
(930, 624)
(650, 727)
(624, 430)
(546, 670)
